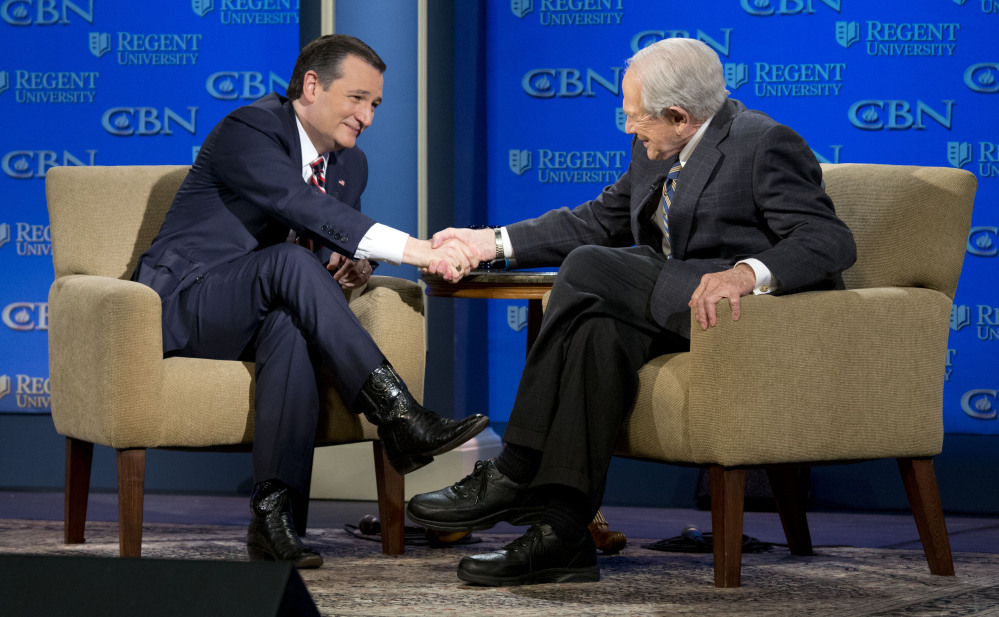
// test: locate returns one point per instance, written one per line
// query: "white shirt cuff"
(382, 243)
(507, 245)
(763, 275)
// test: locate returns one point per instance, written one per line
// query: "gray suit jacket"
(751, 188)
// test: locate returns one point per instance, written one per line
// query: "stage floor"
(856, 529)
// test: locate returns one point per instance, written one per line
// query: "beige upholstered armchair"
(112, 386)
(824, 377)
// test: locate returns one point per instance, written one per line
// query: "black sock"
(518, 463)
(568, 512)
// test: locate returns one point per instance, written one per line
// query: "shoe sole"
(258, 553)
(514, 516)
(589, 574)
(412, 462)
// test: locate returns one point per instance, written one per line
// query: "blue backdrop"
(109, 82)
(863, 82)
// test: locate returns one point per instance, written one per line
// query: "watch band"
(499, 244)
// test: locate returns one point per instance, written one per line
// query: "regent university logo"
(202, 7)
(519, 161)
(100, 43)
(847, 33)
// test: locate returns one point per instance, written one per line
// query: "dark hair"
(325, 56)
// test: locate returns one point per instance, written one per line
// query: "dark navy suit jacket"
(243, 193)
(751, 188)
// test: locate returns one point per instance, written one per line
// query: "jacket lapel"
(694, 177)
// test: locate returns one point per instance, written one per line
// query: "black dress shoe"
(538, 556)
(477, 501)
(412, 435)
(272, 535)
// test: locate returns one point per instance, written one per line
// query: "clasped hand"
(348, 273)
(475, 245)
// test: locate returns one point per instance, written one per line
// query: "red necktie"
(318, 173)
(317, 180)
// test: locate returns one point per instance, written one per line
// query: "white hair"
(682, 73)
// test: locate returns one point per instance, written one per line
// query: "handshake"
(451, 253)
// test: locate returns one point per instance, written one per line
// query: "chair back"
(103, 218)
(910, 223)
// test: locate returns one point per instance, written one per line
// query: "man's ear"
(677, 116)
(310, 83)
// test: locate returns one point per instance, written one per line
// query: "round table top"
(510, 284)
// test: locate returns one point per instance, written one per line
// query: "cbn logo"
(202, 7)
(983, 241)
(519, 161)
(980, 404)
(645, 38)
(569, 83)
(232, 85)
(46, 12)
(26, 316)
(982, 77)
(518, 7)
(4, 385)
(128, 121)
(27, 164)
(867, 115)
(847, 33)
(766, 8)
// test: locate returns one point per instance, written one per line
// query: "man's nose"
(365, 116)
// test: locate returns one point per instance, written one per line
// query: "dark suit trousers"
(581, 377)
(280, 308)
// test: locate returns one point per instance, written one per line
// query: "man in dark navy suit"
(250, 261)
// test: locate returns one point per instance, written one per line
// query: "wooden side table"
(502, 285)
(519, 285)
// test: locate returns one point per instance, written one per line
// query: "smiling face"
(663, 137)
(334, 117)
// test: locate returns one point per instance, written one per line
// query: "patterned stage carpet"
(358, 580)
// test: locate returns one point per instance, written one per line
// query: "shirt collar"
(309, 152)
(696, 139)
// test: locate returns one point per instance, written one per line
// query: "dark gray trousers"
(581, 376)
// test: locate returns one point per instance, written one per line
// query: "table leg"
(534, 315)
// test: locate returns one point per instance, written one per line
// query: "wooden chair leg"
(79, 459)
(391, 494)
(789, 486)
(728, 491)
(131, 486)
(300, 503)
(924, 499)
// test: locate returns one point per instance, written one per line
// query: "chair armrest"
(105, 359)
(795, 370)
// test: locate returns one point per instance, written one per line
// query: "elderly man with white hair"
(718, 202)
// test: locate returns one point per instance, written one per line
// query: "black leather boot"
(272, 535)
(412, 435)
